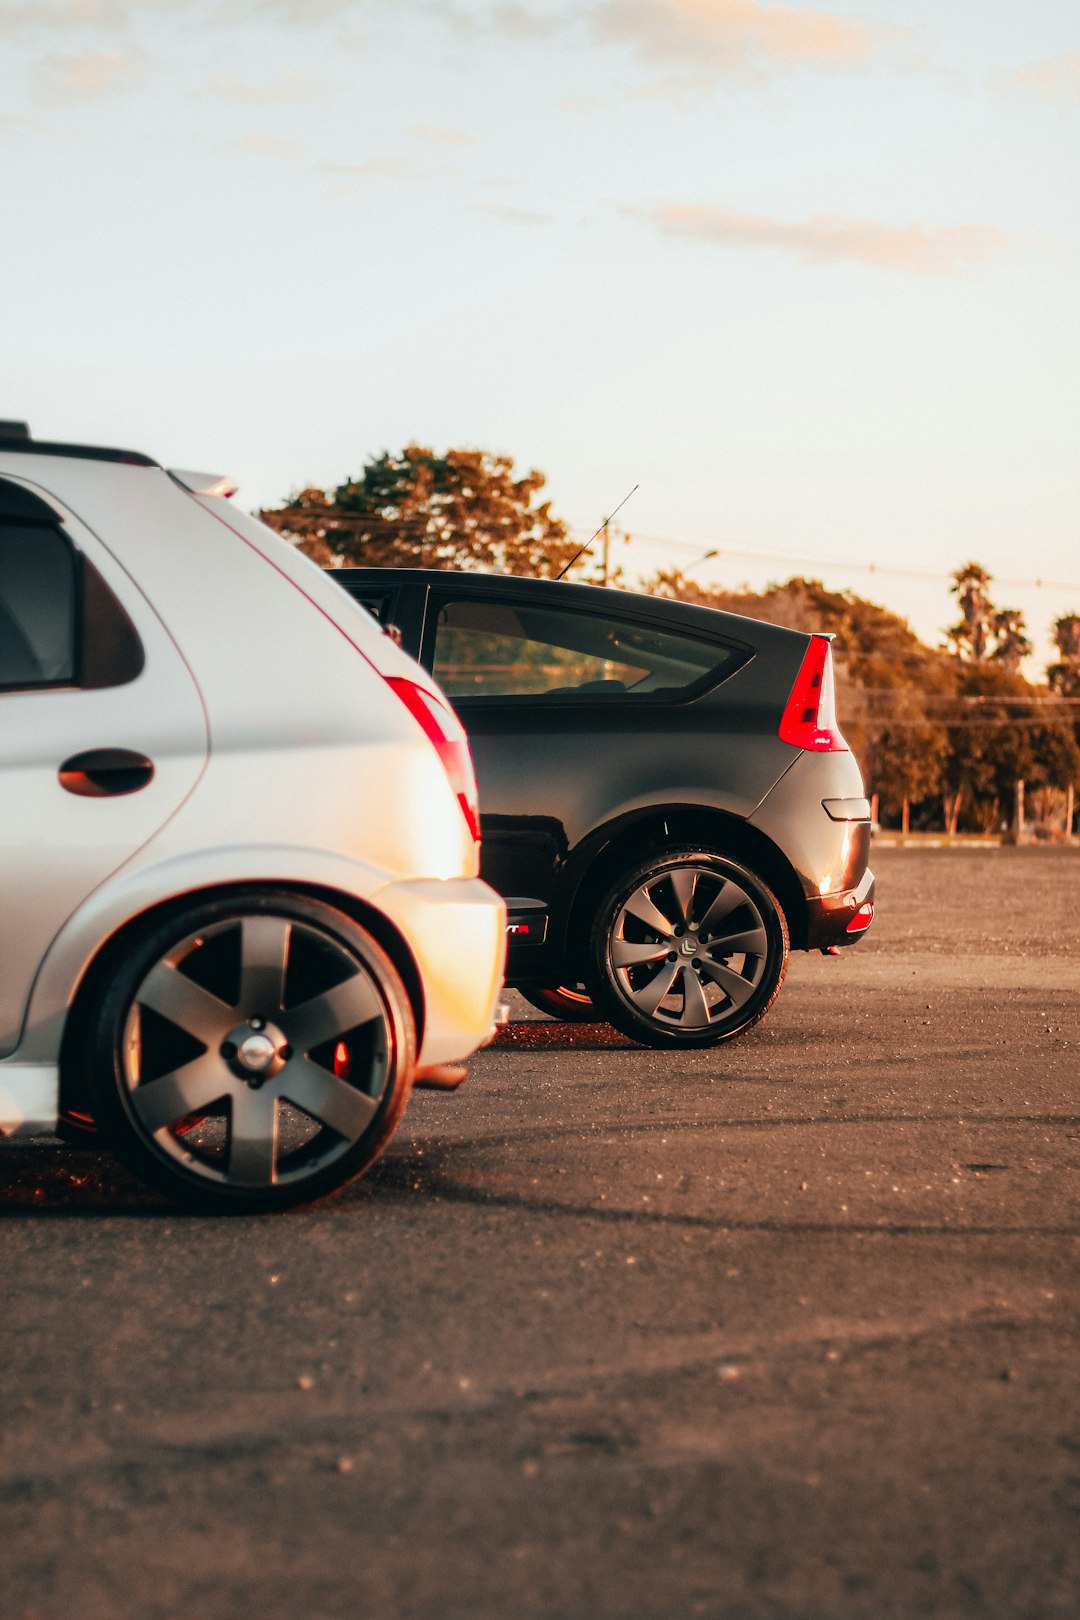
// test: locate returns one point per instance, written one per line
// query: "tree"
(416, 509)
(1011, 645)
(1005, 731)
(971, 637)
(986, 632)
(1063, 676)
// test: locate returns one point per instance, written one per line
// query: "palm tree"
(970, 638)
(1011, 645)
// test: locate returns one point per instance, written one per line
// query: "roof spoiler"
(205, 483)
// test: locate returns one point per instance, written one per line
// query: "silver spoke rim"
(623, 954)
(167, 991)
(654, 992)
(196, 1086)
(673, 969)
(326, 1098)
(729, 897)
(751, 942)
(641, 906)
(253, 1138)
(738, 989)
(695, 1013)
(264, 951)
(345, 1007)
(684, 884)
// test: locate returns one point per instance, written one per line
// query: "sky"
(808, 276)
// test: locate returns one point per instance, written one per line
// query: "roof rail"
(16, 436)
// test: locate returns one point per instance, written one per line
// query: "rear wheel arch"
(664, 828)
(74, 1083)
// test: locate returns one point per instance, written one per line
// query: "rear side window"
(504, 649)
(60, 624)
(38, 633)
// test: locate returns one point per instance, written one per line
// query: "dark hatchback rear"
(667, 800)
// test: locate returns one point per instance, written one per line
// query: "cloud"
(710, 39)
(1055, 80)
(266, 146)
(39, 16)
(65, 80)
(289, 11)
(583, 102)
(392, 168)
(441, 135)
(289, 86)
(830, 238)
(512, 216)
(510, 20)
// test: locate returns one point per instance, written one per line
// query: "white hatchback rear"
(239, 902)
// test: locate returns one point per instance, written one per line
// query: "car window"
(38, 641)
(488, 648)
(60, 624)
(376, 602)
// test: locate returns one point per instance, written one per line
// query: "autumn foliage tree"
(415, 509)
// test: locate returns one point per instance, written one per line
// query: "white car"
(239, 903)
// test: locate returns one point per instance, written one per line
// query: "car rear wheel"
(688, 949)
(252, 1053)
(569, 1002)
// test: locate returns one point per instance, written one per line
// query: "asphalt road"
(788, 1330)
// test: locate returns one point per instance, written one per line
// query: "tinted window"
(376, 602)
(60, 624)
(38, 608)
(502, 649)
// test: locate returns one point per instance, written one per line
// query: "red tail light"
(809, 719)
(862, 918)
(442, 729)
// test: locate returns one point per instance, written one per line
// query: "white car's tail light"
(809, 718)
(443, 730)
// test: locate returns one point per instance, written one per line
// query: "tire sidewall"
(604, 983)
(552, 1000)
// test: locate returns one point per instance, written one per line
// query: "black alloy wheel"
(570, 1003)
(252, 1052)
(688, 949)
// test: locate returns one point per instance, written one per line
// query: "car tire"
(688, 949)
(570, 1003)
(252, 1052)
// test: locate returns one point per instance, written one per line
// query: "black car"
(667, 802)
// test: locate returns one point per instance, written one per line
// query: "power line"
(669, 542)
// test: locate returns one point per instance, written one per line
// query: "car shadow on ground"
(54, 1179)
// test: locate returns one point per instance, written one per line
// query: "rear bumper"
(829, 917)
(456, 930)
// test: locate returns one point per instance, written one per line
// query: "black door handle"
(105, 773)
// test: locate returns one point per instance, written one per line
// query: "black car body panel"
(576, 783)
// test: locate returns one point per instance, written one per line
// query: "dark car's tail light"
(442, 729)
(862, 918)
(809, 718)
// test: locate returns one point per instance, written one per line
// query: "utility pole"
(607, 551)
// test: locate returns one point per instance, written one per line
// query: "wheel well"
(662, 829)
(73, 1084)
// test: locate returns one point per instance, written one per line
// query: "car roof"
(597, 598)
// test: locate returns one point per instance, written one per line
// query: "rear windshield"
(502, 649)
